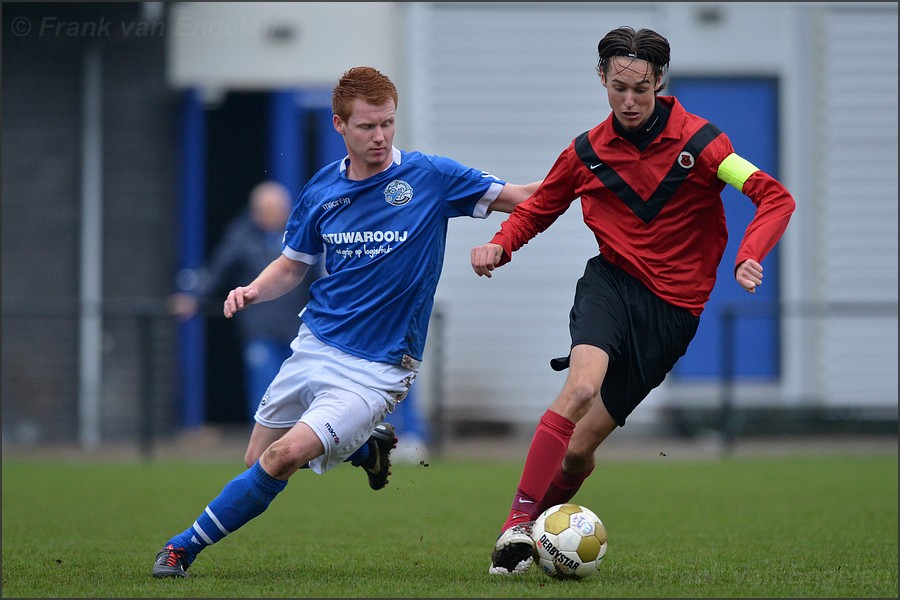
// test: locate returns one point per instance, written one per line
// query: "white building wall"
(221, 46)
(857, 202)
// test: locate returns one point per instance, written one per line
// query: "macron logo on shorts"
(334, 436)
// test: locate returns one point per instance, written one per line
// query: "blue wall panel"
(746, 109)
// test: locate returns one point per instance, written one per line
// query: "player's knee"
(284, 456)
(578, 397)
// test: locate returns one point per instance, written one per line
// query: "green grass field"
(735, 527)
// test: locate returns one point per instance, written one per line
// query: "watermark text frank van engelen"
(100, 27)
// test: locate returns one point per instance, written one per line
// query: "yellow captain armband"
(735, 170)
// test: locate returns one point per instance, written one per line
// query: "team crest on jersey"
(398, 193)
(686, 160)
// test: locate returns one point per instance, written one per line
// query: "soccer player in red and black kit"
(649, 178)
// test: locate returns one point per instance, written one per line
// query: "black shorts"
(643, 335)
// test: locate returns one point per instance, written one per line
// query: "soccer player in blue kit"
(379, 219)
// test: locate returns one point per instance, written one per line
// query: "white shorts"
(340, 396)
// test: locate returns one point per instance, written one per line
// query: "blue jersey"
(383, 239)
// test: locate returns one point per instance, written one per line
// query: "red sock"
(562, 489)
(548, 447)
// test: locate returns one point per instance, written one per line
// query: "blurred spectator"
(250, 242)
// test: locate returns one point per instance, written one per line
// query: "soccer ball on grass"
(570, 541)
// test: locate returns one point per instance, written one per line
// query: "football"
(569, 540)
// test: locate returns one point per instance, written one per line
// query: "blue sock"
(247, 496)
(360, 456)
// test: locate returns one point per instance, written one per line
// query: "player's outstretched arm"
(512, 195)
(485, 258)
(278, 278)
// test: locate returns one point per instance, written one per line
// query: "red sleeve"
(536, 214)
(774, 207)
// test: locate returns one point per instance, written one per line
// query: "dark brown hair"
(644, 44)
(364, 83)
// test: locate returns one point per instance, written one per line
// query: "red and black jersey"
(656, 214)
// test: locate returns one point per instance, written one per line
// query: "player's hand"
(238, 299)
(485, 258)
(749, 275)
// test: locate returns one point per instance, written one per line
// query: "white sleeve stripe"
(309, 259)
(481, 209)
